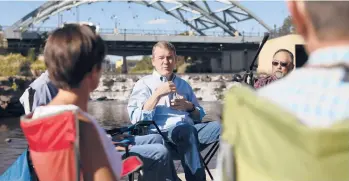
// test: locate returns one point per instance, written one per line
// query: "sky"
(136, 17)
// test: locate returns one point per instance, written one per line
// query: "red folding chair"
(67, 146)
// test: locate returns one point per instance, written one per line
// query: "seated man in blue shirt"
(39, 92)
(172, 104)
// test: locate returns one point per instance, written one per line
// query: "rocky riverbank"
(207, 87)
(11, 88)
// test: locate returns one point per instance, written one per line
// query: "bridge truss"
(204, 17)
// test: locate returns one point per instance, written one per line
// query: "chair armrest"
(130, 165)
(141, 127)
(120, 130)
(122, 145)
(144, 123)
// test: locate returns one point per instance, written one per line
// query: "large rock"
(11, 88)
(206, 78)
(227, 77)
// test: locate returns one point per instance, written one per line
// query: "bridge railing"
(146, 32)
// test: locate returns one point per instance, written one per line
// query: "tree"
(287, 27)
(143, 66)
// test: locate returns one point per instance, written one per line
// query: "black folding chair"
(142, 127)
(125, 143)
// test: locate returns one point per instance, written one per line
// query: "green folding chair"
(266, 143)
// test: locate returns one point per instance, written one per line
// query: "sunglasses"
(283, 64)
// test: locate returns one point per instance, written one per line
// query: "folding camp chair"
(69, 145)
(142, 127)
(267, 143)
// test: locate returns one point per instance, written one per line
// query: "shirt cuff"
(147, 115)
(201, 111)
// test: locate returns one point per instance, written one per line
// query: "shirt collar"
(162, 78)
(329, 55)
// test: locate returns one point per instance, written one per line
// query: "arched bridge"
(224, 54)
(204, 16)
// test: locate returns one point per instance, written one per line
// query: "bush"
(141, 71)
(183, 68)
(31, 55)
(14, 64)
(38, 65)
(143, 66)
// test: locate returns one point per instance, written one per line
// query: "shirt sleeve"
(114, 157)
(194, 100)
(140, 94)
(25, 101)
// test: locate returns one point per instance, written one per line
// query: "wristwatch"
(192, 109)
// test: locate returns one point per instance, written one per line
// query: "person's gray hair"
(166, 45)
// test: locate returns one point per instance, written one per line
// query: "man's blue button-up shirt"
(164, 116)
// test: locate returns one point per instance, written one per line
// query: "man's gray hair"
(329, 18)
(166, 45)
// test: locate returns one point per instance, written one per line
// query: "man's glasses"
(283, 64)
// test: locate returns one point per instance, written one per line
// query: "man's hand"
(181, 104)
(162, 90)
(166, 88)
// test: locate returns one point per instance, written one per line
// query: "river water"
(110, 114)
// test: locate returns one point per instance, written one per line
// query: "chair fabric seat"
(269, 143)
(51, 143)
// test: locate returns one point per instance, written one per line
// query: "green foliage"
(187, 33)
(38, 65)
(286, 28)
(143, 66)
(2, 40)
(13, 64)
(183, 68)
(14, 86)
(16, 64)
(118, 70)
(179, 63)
(31, 55)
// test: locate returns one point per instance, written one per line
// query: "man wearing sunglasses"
(282, 64)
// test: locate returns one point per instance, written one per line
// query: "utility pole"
(77, 14)
(115, 20)
(60, 19)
